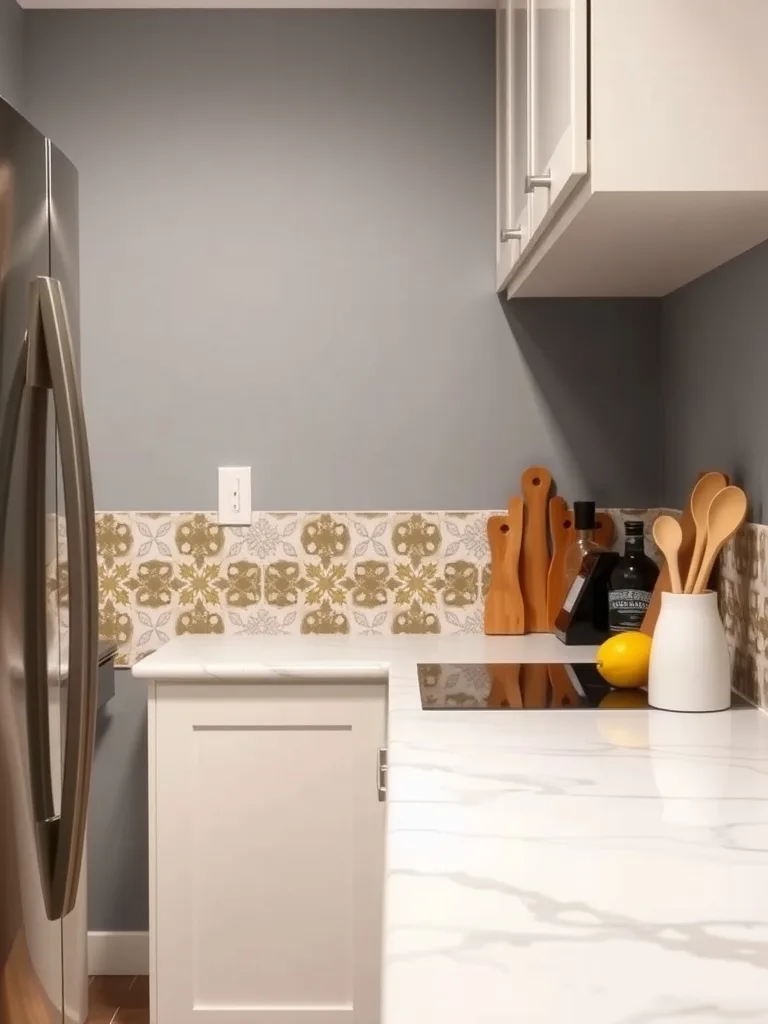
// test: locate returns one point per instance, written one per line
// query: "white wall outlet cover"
(235, 495)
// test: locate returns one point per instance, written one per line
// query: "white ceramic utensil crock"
(690, 668)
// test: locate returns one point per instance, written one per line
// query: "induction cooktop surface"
(532, 687)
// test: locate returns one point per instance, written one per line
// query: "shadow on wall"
(596, 364)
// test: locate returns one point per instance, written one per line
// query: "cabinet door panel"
(269, 854)
(557, 137)
(512, 133)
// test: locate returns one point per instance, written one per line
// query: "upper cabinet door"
(512, 135)
(557, 105)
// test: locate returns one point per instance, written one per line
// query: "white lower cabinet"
(266, 852)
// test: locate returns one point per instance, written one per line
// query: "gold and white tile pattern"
(743, 590)
(162, 574)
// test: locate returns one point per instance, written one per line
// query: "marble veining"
(546, 867)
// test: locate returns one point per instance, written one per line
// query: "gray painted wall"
(715, 371)
(287, 262)
(287, 255)
(11, 53)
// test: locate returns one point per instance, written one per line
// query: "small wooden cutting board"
(504, 609)
(535, 484)
(561, 534)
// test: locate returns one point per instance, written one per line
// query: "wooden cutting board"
(561, 533)
(504, 608)
(535, 484)
(688, 528)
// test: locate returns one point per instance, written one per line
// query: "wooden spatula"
(561, 534)
(726, 514)
(535, 484)
(504, 609)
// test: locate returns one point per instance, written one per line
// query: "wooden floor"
(118, 999)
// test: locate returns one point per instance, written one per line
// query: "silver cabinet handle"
(511, 234)
(533, 181)
(381, 775)
(51, 364)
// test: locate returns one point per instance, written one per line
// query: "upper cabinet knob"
(533, 181)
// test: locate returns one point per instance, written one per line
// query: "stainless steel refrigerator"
(48, 586)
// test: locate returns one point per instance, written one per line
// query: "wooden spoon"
(668, 535)
(703, 493)
(726, 514)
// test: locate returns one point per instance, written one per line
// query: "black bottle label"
(627, 608)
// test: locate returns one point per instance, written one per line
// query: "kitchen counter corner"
(544, 866)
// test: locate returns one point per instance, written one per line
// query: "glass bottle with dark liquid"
(585, 524)
(631, 583)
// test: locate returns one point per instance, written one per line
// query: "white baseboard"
(118, 952)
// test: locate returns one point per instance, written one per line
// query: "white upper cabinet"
(557, 103)
(512, 139)
(645, 160)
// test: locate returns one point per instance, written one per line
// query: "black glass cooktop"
(533, 687)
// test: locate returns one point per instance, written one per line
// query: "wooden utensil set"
(527, 587)
(528, 583)
(714, 512)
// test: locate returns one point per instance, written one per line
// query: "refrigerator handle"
(35, 641)
(52, 364)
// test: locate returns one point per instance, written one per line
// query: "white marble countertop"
(558, 867)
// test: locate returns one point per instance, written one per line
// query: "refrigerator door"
(30, 942)
(65, 267)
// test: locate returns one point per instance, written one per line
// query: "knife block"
(583, 619)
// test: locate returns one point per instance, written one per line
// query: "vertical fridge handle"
(51, 363)
(35, 639)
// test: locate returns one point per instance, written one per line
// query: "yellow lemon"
(623, 660)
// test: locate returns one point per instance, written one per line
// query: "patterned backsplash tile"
(163, 574)
(743, 594)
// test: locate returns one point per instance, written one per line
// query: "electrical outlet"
(235, 495)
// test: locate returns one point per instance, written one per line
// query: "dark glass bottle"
(585, 524)
(631, 583)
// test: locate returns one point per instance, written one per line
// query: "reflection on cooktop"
(535, 687)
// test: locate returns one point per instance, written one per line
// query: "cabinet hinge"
(381, 782)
